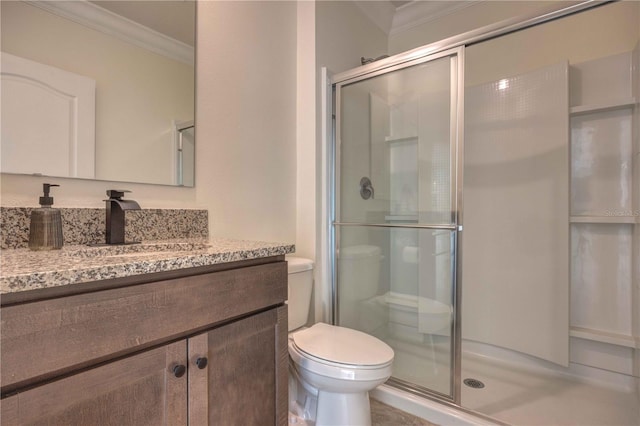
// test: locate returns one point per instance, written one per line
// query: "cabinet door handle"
(201, 362)
(179, 370)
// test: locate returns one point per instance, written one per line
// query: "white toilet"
(332, 369)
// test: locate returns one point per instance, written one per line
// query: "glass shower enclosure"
(396, 216)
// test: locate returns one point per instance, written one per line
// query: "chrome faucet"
(115, 215)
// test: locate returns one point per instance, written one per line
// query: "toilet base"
(343, 409)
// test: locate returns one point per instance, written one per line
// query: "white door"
(48, 111)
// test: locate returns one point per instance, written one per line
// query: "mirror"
(99, 90)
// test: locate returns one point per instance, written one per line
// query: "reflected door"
(396, 214)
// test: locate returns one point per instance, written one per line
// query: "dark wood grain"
(282, 367)
(106, 357)
(41, 340)
(242, 372)
(137, 390)
(198, 346)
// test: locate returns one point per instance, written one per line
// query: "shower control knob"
(366, 189)
(201, 362)
(179, 370)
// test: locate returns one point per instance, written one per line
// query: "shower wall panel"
(516, 232)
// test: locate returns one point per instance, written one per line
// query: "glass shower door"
(396, 216)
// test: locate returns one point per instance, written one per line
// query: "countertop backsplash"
(87, 225)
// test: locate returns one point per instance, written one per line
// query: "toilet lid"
(343, 345)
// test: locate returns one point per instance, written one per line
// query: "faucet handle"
(116, 193)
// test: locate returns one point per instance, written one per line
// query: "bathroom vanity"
(175, 336)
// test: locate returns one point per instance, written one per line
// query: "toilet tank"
(299, 290)
(359, 271)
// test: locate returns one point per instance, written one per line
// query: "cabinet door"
(138, 390)
(238, 385)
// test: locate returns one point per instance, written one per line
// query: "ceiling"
(394, 16)
(176, 18)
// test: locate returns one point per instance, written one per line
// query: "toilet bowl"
(332, 369)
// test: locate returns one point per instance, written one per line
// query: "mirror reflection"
(99, 90)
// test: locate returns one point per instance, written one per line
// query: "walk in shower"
(485, 216)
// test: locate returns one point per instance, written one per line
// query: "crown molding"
(420, 12)
(107, 22)
(379, 12)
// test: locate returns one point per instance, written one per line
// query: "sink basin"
(147, 249)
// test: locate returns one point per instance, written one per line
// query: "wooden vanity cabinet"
(137, 390)
(231, 371)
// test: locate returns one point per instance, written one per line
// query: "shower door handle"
(366, 189)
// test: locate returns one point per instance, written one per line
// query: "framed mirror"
(99, 90)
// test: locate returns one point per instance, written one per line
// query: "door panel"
(238, 385)
(396, 214)
(51, 111)
(138, 390)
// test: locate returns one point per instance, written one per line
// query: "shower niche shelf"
(393, 139)
(605, 219)
(604, 106)
(604, 212)
(604, 337)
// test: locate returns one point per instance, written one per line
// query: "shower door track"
(447, 227)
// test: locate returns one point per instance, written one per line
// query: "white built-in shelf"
(604, 106)
(605, 219)
(604, 337)
(392, 139)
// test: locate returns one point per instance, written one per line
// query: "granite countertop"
(23, 269)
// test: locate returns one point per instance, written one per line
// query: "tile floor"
(385, 415)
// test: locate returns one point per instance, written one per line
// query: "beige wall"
(470, 18)
(138, 93)
(605, 31)
(307, 189)
(343, 34)
(246, 118)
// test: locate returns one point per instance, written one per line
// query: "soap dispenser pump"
(45, 231)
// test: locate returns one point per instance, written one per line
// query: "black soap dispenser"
(45, 231)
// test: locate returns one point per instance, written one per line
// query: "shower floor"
(518, 395)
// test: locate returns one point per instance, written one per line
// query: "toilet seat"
(341, 353)
(341, 345)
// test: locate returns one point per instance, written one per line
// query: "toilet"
(331, 368)
(360, 267)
